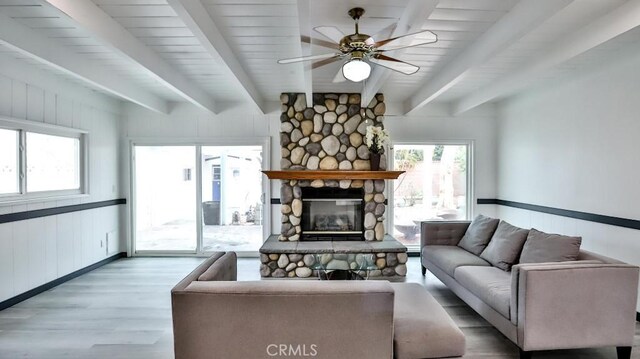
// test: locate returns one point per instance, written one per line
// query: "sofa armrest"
(564, 306)
(447, 233)
(515, 277)
(193, 276)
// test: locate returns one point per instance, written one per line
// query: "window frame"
(22, 127)
(470, 179)
(18, 160)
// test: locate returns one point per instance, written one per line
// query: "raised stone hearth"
(298, 259)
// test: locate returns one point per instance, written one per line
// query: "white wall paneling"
(36, 251)
(573, 144)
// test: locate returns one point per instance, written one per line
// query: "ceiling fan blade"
(392, 48)
(386, 32)
(394, 64)
(330, 32)
(307, 58)
(314, 41)
(431, 38)
(328, 61)
(339, 77)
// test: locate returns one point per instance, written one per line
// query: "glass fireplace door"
(331, 214)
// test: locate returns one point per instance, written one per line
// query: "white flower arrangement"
(376, 138)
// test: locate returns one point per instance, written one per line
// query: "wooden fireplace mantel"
(332, 175)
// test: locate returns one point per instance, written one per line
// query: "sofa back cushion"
(478, 234)
(545, 247)
(222, 269)
(505, 246)
(251, 319)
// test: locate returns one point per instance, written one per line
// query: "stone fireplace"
(334, 223)
(329, 136)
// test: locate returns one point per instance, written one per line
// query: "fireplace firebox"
(332, 214)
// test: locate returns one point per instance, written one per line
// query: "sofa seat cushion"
(492, 285)
(421, 327)
(448, 258)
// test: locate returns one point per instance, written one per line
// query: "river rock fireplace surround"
(332, 205)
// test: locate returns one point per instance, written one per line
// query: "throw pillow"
(505, 246)
(545, 247)
(478, 234)
(223, 269)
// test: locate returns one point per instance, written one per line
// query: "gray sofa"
(214, 316)
(589, 302)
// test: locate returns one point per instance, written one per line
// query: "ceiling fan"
(359, 50)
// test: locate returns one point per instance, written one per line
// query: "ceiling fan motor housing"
(355, 42)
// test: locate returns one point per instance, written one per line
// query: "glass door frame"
(198, 143)
(471, 199)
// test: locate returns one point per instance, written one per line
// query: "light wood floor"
(122, 310)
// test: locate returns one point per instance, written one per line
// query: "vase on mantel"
(374, 161)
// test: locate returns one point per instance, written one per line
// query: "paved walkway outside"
(182, 236)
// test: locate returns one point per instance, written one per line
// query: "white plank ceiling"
(261, 32)
(59, 29)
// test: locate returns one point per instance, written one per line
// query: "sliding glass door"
(232, 198)
(198, 198)
(165, 193)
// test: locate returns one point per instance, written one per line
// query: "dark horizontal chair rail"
(585, 216)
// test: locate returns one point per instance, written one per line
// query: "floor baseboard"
(54, 283)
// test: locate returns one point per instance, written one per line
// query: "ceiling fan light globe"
(356, 70)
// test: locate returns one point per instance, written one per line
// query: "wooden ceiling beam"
(525, 16)
(304, 24)
(622, 19)
(412, 20)
(29, 42)
(198, 20)
(113, 35)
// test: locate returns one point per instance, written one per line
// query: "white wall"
(37, 251)
(574, 145)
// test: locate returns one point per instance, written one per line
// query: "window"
(9, 162)
(436, 186)
(38, 161)
(53, 162)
